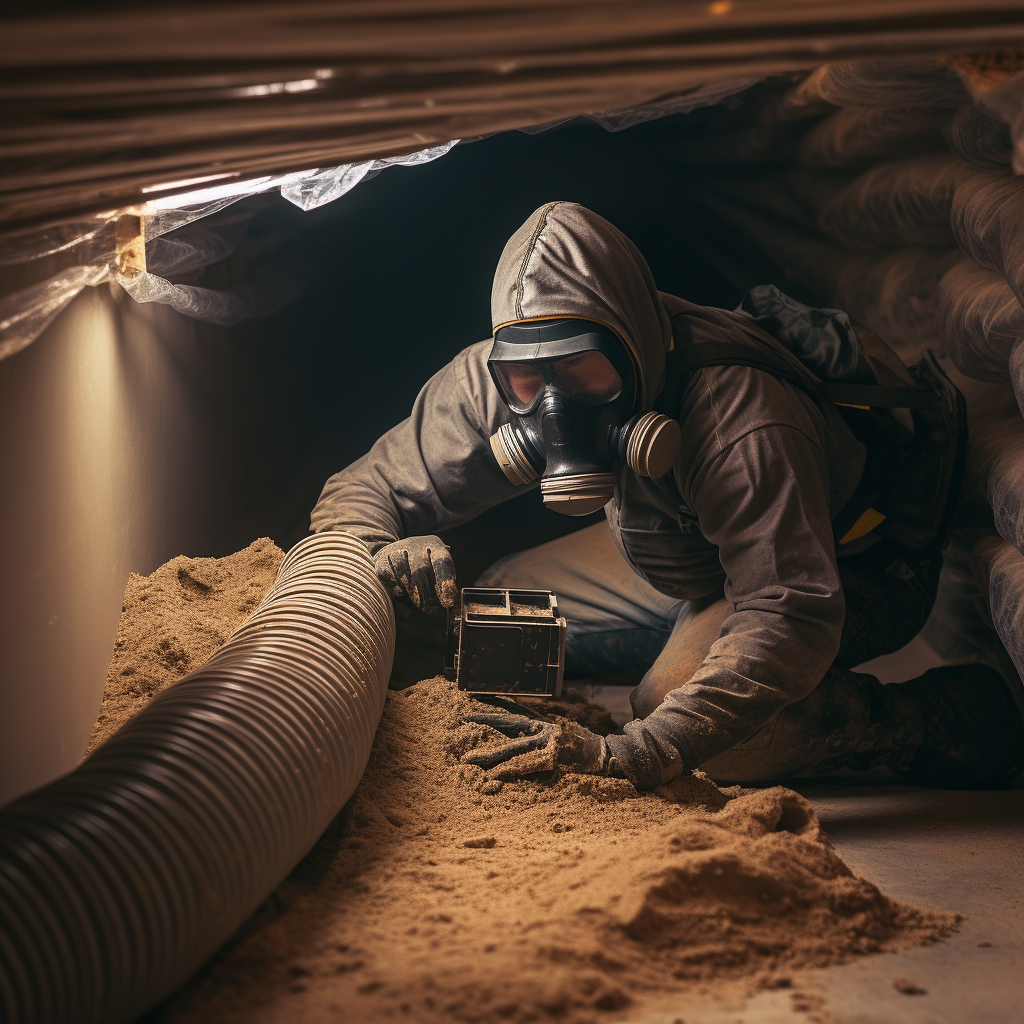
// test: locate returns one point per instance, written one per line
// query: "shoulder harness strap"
(685, 358)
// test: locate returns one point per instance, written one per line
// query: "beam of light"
(165, 185)
(274, 88)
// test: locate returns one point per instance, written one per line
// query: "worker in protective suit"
(718, 570)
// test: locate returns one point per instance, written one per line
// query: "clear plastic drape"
(171, 243)
(26, 313)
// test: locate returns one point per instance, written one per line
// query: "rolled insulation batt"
(854, 136)
(959, 628)
(895, 295)
(119, 880)
(899, 204)
(995, 460)
(979, 320)
(977, 136)
(1017, 374)
(999, 567)
(903, 81)
(986, 218)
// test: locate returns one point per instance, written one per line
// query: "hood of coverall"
(568, 264)
(566, 261)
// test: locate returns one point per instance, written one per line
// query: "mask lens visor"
(587, 375)
(519, 383)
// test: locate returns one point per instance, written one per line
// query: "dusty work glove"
(539, 746)
(420, 569)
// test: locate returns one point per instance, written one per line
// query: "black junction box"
(506, 641)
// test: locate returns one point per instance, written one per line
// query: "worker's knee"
(653, 688)
(691, 641)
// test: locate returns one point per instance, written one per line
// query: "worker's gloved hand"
(420, 569)
(538, 746)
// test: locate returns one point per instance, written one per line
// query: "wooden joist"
(97, 107)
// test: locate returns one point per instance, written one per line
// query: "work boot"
(956, 727)
(973, 735)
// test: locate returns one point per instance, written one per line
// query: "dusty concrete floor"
(957, 851)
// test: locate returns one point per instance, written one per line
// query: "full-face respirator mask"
(572, 391)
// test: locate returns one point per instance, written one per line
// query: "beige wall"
(89, 415)
(128, 434)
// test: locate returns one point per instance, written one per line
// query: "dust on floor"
(442, 894)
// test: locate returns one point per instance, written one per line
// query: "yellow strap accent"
(850, 405)
(868, 520)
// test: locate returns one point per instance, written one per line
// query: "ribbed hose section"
(119, 880)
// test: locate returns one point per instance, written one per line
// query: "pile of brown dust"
(442, 894)
(173, 620)
(516, 608)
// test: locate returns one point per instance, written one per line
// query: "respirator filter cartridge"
(512, 457)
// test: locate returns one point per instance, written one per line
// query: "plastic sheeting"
(26, 313)
(628, 117)
(108, 99)
(907, 202)
(175, 245)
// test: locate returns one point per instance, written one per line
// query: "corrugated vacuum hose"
(120, 879)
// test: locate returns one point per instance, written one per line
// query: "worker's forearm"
(433, 470)
(761, 664)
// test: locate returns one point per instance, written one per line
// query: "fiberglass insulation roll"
(855, 136)
(999, 567)
(119, 880)
(895, 295)
(996, 463)
(987, 217)
(888, 82)
(979, 320)
(977, 136)
(899, 204)
(959, 628)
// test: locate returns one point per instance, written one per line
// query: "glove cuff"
(629, 760)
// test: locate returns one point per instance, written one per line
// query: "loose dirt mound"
(446, 895)
(172, 621)
(442, 894)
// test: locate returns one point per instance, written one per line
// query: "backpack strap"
(864, 396)
(685, 357)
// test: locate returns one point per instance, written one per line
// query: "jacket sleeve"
(764, 501)
(434, 470)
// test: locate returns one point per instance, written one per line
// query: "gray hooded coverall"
(764, 467)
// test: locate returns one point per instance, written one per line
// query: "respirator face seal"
(572, 389)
